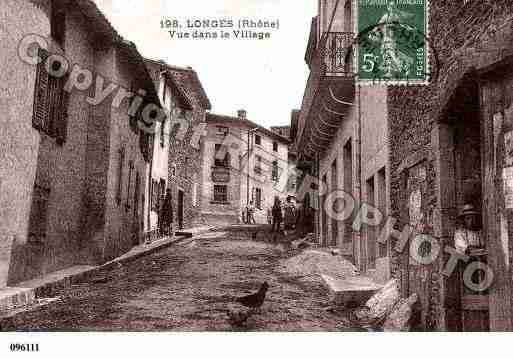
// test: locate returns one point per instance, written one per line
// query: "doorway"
(180, 208)
(461, 169)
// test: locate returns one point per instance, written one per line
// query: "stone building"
(176, 160)
(450, 146)
(185, 102)
(229, 180)
(72, 167)
(285, 131)
(341, 137)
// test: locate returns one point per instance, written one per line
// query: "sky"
(267, 78)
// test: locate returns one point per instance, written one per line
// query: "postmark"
(392, 45)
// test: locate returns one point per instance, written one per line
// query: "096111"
(24, 347)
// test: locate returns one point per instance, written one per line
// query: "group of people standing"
(280, 213)
(299, 217)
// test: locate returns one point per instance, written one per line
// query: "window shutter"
(41, 101)
(62, 123)
(145, 145)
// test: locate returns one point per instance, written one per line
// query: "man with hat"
(469, 236)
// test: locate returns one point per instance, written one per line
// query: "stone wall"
(456, 31)
(230, 212)
(186, 159)
(61, 168)
(20, 141)
(237, 187)
(123, 221)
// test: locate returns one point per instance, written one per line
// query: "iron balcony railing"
(336, 54)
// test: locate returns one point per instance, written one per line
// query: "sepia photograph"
(331, 168)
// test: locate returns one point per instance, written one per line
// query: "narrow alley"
(189, 287)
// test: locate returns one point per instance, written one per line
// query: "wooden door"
(497, 120)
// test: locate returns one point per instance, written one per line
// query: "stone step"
(195, 231)
(351, 290)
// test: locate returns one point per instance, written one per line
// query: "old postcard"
(255, 166)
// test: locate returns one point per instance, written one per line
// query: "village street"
(188, 287)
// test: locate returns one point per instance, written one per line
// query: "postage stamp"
(392, 46)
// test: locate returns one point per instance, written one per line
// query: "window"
(137, 193)
(130, 170)
(164, 80)
(370, 230)
(38, 214)
(154, 195)
(348, 186)
(58, 24)
(51, 101)
(195, 192)
(220, 193)
(258, 165)
(382, 206)
(334, 187)
(275, 146)
(222, 131)
(258, 140)
(186, 169)
(162, 193)
(324, 214)
(134, 113)
(162, 135)
(348, 16)
(222, 157)
(258, 198)
(292, 181)
(120, 174)
(274, 174)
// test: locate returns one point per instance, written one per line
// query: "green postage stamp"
(392, 43)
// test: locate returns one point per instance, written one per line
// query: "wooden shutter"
(120, 175)
(130, 170)
(137, 193)
(155, 196)
(62, 123)
(145, 145)
(41, 103)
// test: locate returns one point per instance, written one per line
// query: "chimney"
(241, 114)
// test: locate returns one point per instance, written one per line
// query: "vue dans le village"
(383, 203)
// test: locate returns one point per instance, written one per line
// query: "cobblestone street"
(188, 287)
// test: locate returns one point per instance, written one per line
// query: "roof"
(104, 30)
(180, 92)
(135, 58)
(186, 80)
(312, 41)
(245, 122)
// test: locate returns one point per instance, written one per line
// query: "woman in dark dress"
(167, 214)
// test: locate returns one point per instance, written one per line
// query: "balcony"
(329, 92)
(220, 174)
(337, 54)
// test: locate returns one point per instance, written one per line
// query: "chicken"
(238, 319)
(254, 300)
